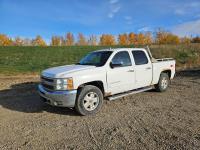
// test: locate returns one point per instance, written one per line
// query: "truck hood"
(61, 71)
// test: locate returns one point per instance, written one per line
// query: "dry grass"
(187, 56)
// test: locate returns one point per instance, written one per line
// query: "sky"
(28, 18)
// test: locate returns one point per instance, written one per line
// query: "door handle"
(131, 70)
(148, 68)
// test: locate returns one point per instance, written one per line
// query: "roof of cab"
(120, 49)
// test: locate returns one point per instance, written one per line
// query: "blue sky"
(28, 18)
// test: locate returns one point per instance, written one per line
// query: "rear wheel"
(89, 100)
(163, 83)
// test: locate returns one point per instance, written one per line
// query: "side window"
(140, 57)
(122, 58)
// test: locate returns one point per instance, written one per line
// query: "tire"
(163, 83)
(89, 100)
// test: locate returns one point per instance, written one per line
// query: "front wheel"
(163, 83)
(89, 100)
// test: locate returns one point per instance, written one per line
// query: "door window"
(122, 58)
(140, 57)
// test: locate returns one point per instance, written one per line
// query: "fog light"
(55, 103)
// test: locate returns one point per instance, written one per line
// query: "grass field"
(15, 60)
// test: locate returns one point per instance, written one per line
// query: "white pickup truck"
(107, 73)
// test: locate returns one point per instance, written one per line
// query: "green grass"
(14, 60)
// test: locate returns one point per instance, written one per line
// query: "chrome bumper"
(58, 98)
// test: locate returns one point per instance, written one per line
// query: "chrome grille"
(47, 83)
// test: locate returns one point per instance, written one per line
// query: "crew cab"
(105, 74)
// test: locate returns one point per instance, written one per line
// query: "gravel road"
(149, 120)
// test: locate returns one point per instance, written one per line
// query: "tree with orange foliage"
(81, 40)
(148, 38)
(5, 40)
(140, 39)
(185, 40)
(123, 39)
(38, 41)
(132, 38)
(62, 41)
(27, 42)
(163, 37)
(173, 39)
(92, 40)
(69, 39)
(18, 41)
(196, 40)
(107, 39)
(55, 41)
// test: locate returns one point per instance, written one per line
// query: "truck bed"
(160, 65)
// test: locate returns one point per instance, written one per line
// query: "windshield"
(96, 58)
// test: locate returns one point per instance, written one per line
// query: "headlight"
(64, 84)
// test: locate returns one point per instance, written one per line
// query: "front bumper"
(58, 98)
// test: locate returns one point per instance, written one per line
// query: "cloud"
(194, 4)
(114, 8)
(179, 11)
(198, 16)
(144, 29)
(128, 17)
(113, 1)
(187, 8)
(187, 28)
(129, 20)
(110, 15)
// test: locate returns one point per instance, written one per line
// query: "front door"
(120, 76)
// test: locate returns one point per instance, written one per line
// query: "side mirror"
(115, 65)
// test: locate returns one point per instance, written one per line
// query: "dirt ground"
(149, 120)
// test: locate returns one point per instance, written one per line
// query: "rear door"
(143, 69)
(120, 78)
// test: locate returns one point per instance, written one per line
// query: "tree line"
(159, 37)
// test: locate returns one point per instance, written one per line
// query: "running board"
(114, 97)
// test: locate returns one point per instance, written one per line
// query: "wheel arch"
(97, 83)
(168, 72)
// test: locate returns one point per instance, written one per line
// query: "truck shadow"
(189, 73)
(23, 97)
(194, 75)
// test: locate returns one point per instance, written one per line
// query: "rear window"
(140, 57)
